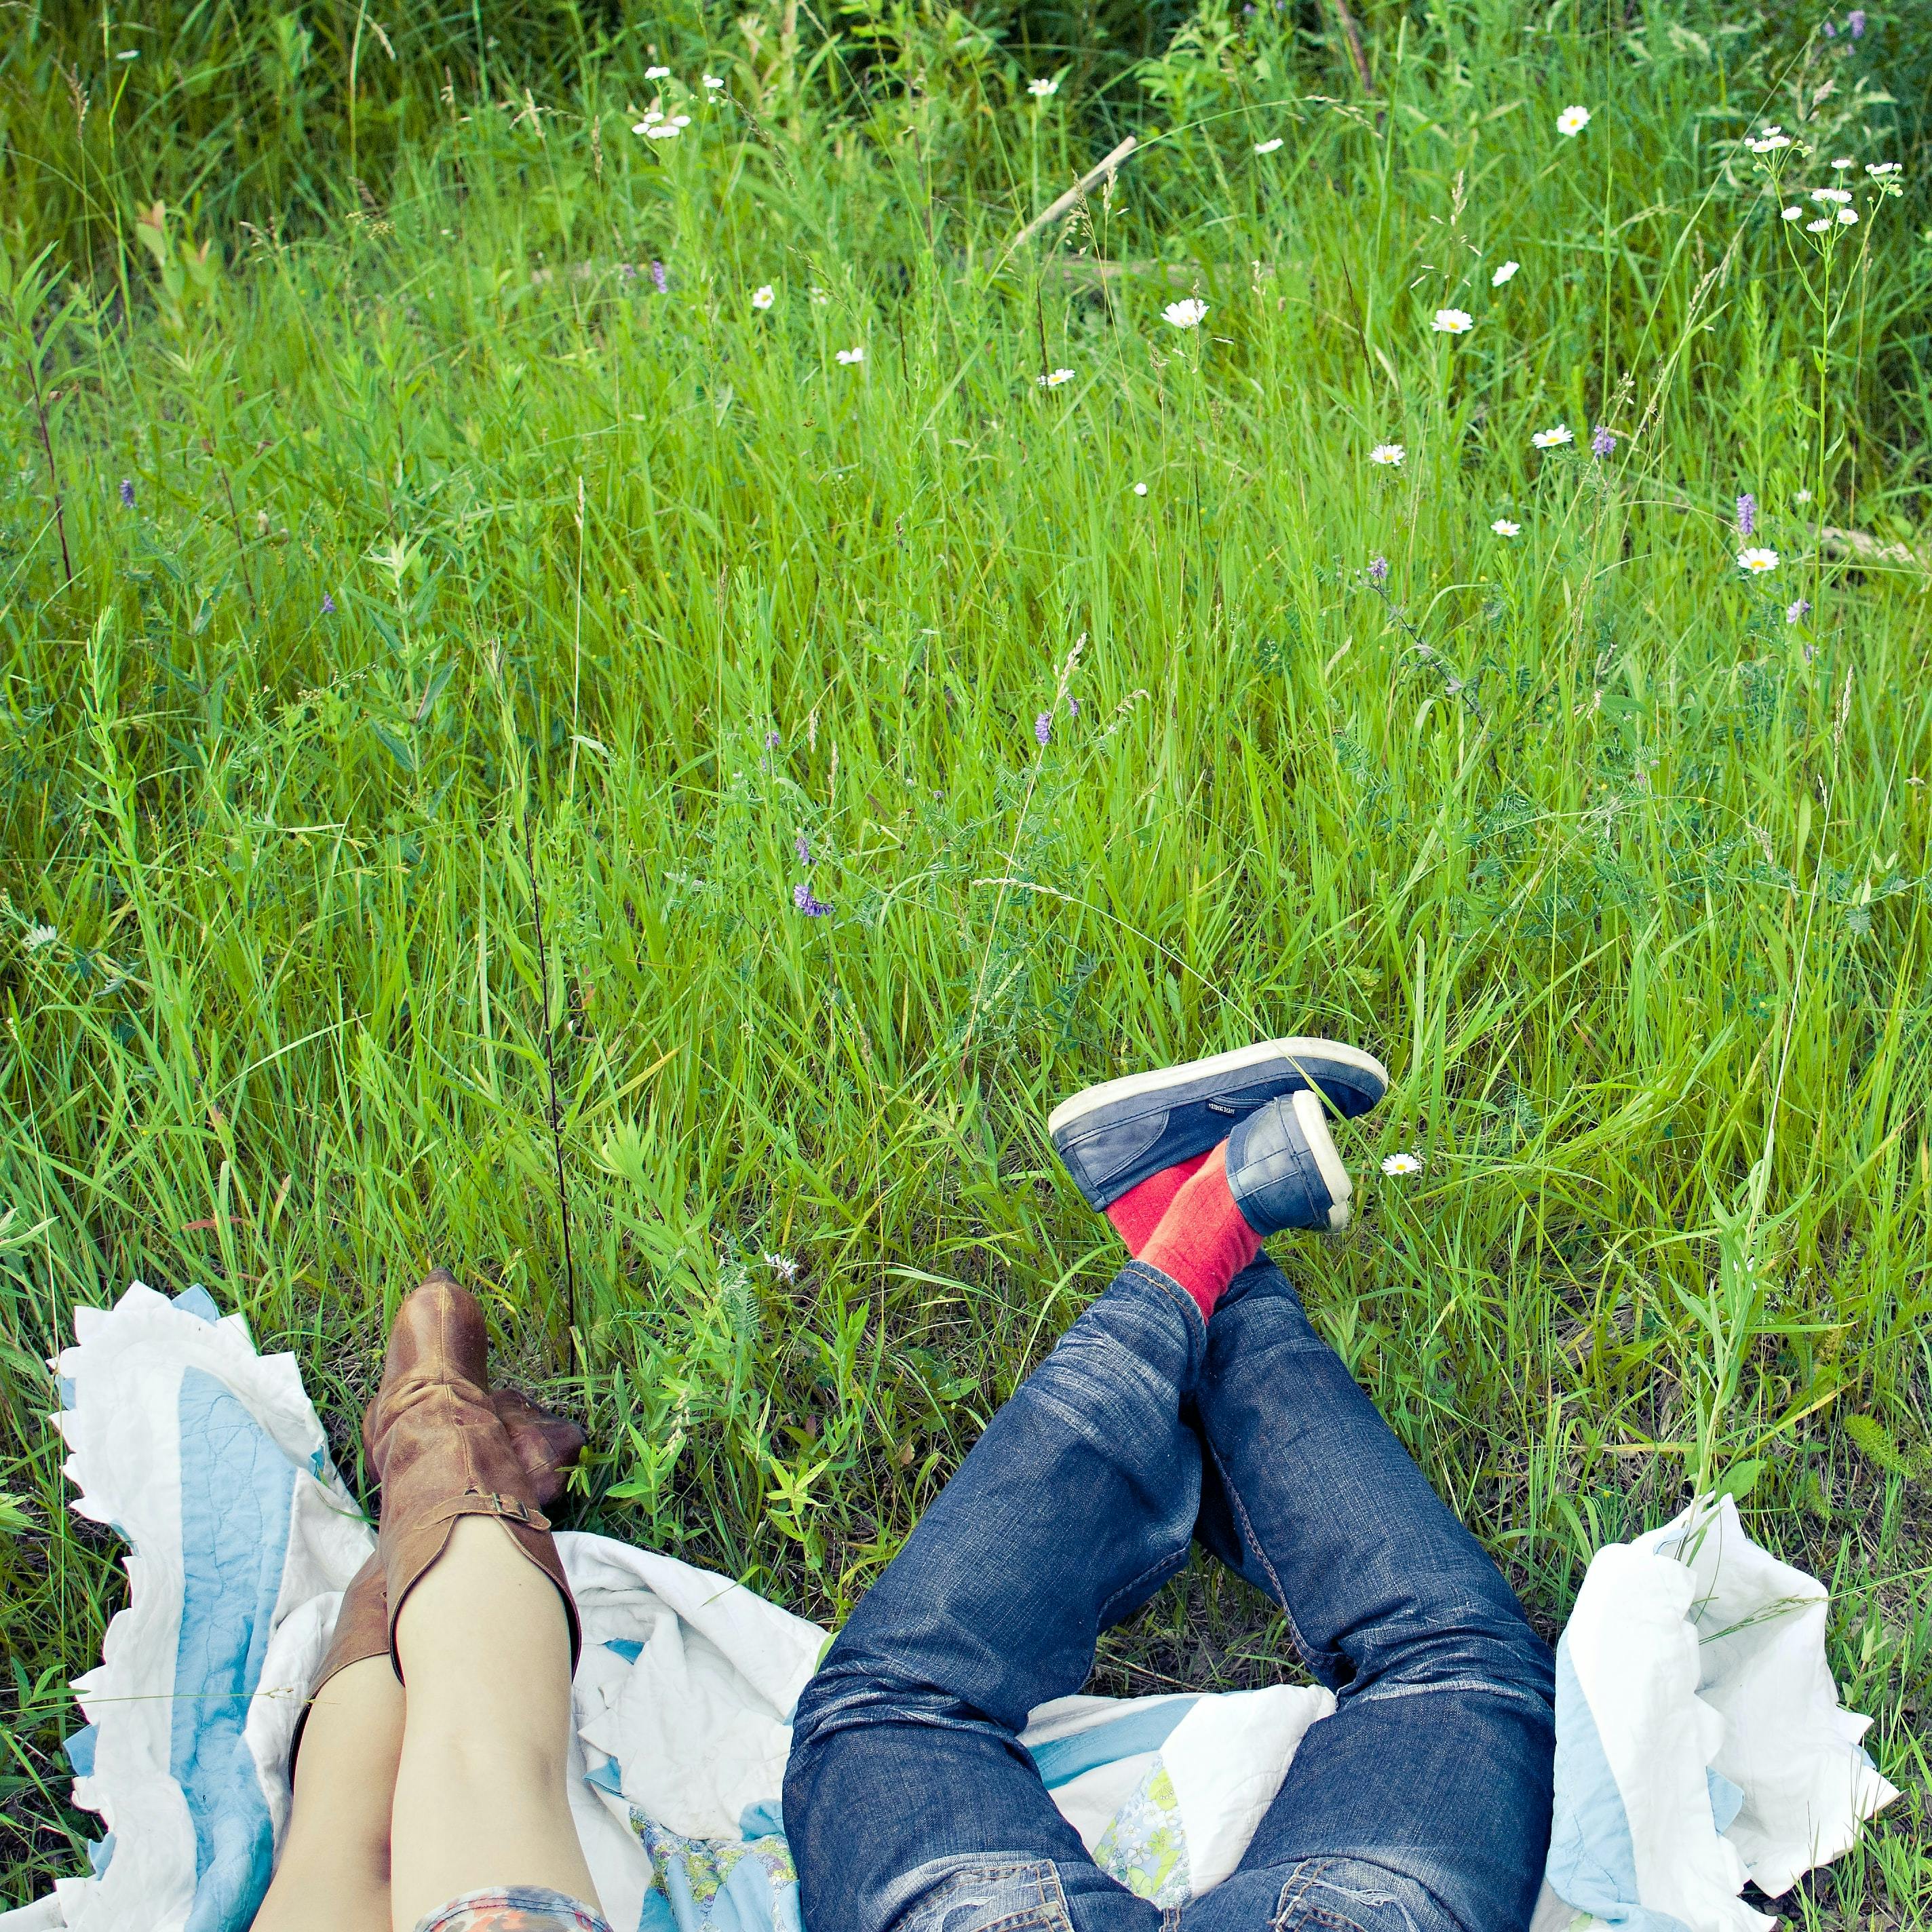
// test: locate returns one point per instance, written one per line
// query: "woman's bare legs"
(334, 1873)
(481, 1799)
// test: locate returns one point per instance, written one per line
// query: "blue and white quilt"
(1700, 1740)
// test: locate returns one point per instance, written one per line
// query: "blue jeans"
(1421, 1805)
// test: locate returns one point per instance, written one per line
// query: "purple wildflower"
(1073, 707)
(1042, 728)
(802, 898)
(1602, 440)
(771, 741)
(659, 280)
(327, 605)
(1795, 611)
(127, 493)
(1377, 570)
(801, 846)
(1831, 32)
(1856, 20)
(1747, 514)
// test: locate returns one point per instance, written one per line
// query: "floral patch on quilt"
(1145, 1847)
(698, 1883)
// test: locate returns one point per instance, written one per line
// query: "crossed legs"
(1422, 1805)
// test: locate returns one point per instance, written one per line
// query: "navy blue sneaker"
(1282, 1168)
(1112, 1137)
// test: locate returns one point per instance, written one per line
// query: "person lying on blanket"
(1191, 1400)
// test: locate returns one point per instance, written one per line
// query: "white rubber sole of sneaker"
(1314, 1119)
(1129, 1085)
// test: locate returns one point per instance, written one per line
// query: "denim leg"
(1423, 1804)
(909, 1800)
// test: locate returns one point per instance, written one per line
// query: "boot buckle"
(516, 1509)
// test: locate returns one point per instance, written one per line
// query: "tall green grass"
(471, 584)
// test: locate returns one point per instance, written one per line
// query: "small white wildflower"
(680, 120)
(1044, 90)
(664, 130)
(1402, 1163)
(712, 83)
(1848, 215)
(1573, 121)
(36, 938)
(763, 297)
(1818, 226)
(1803, 496)
(1756, 560)
(1843, 162)
(1504, 527)
(1883, 170)
(1505, 272)
(1792, 214)
(1389, 454)
(1452, 322)
(1552, 438)
(1838, 196)
(819, 296)
(1140, 489)
(851, 356)
(1187, 313)
(1773, 138)
(783, 1266)
(657, 73)
(1267, 147)
(1053, 378)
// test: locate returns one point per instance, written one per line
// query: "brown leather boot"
(546, 1445)
(441, 1451)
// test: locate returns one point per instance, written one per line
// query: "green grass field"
(551, 769)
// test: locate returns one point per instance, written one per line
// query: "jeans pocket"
(991, 1895)
(1351, 1895)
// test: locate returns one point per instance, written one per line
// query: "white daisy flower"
(1389, 454)
(1792, 214)
(1188, 313)
(1573, 121)
(1818, 226)
(1838, 196)
(1053, 378)
(1267, 147)
(763, 297)
(1773, 138)
(1044, 90)
(1504, 527)
(1883, 170)
(851, 356)
(1848, 215)
(1552, 438)
(1843, 162)
(1452, 322)
(1140, 489)
(1757, 560)
(1402, 1163)
(712, 83)
(657, 73)
(1506, 271)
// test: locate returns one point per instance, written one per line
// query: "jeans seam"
(1297, 1881)
(1254, 1542)
(1146, 1271)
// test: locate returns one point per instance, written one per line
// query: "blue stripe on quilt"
(236, 1491)
(1060, 1760)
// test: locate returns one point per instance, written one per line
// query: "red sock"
(1203, 1241)
(1139, 1211)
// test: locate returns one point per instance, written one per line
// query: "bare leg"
(480, 1795)
(334, 1873)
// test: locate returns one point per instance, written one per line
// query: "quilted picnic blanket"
(1700, 1740)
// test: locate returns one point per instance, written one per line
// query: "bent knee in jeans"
(1353, 1895)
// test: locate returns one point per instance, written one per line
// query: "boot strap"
(488, 1502)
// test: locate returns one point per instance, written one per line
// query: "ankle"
(1203, 1240)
